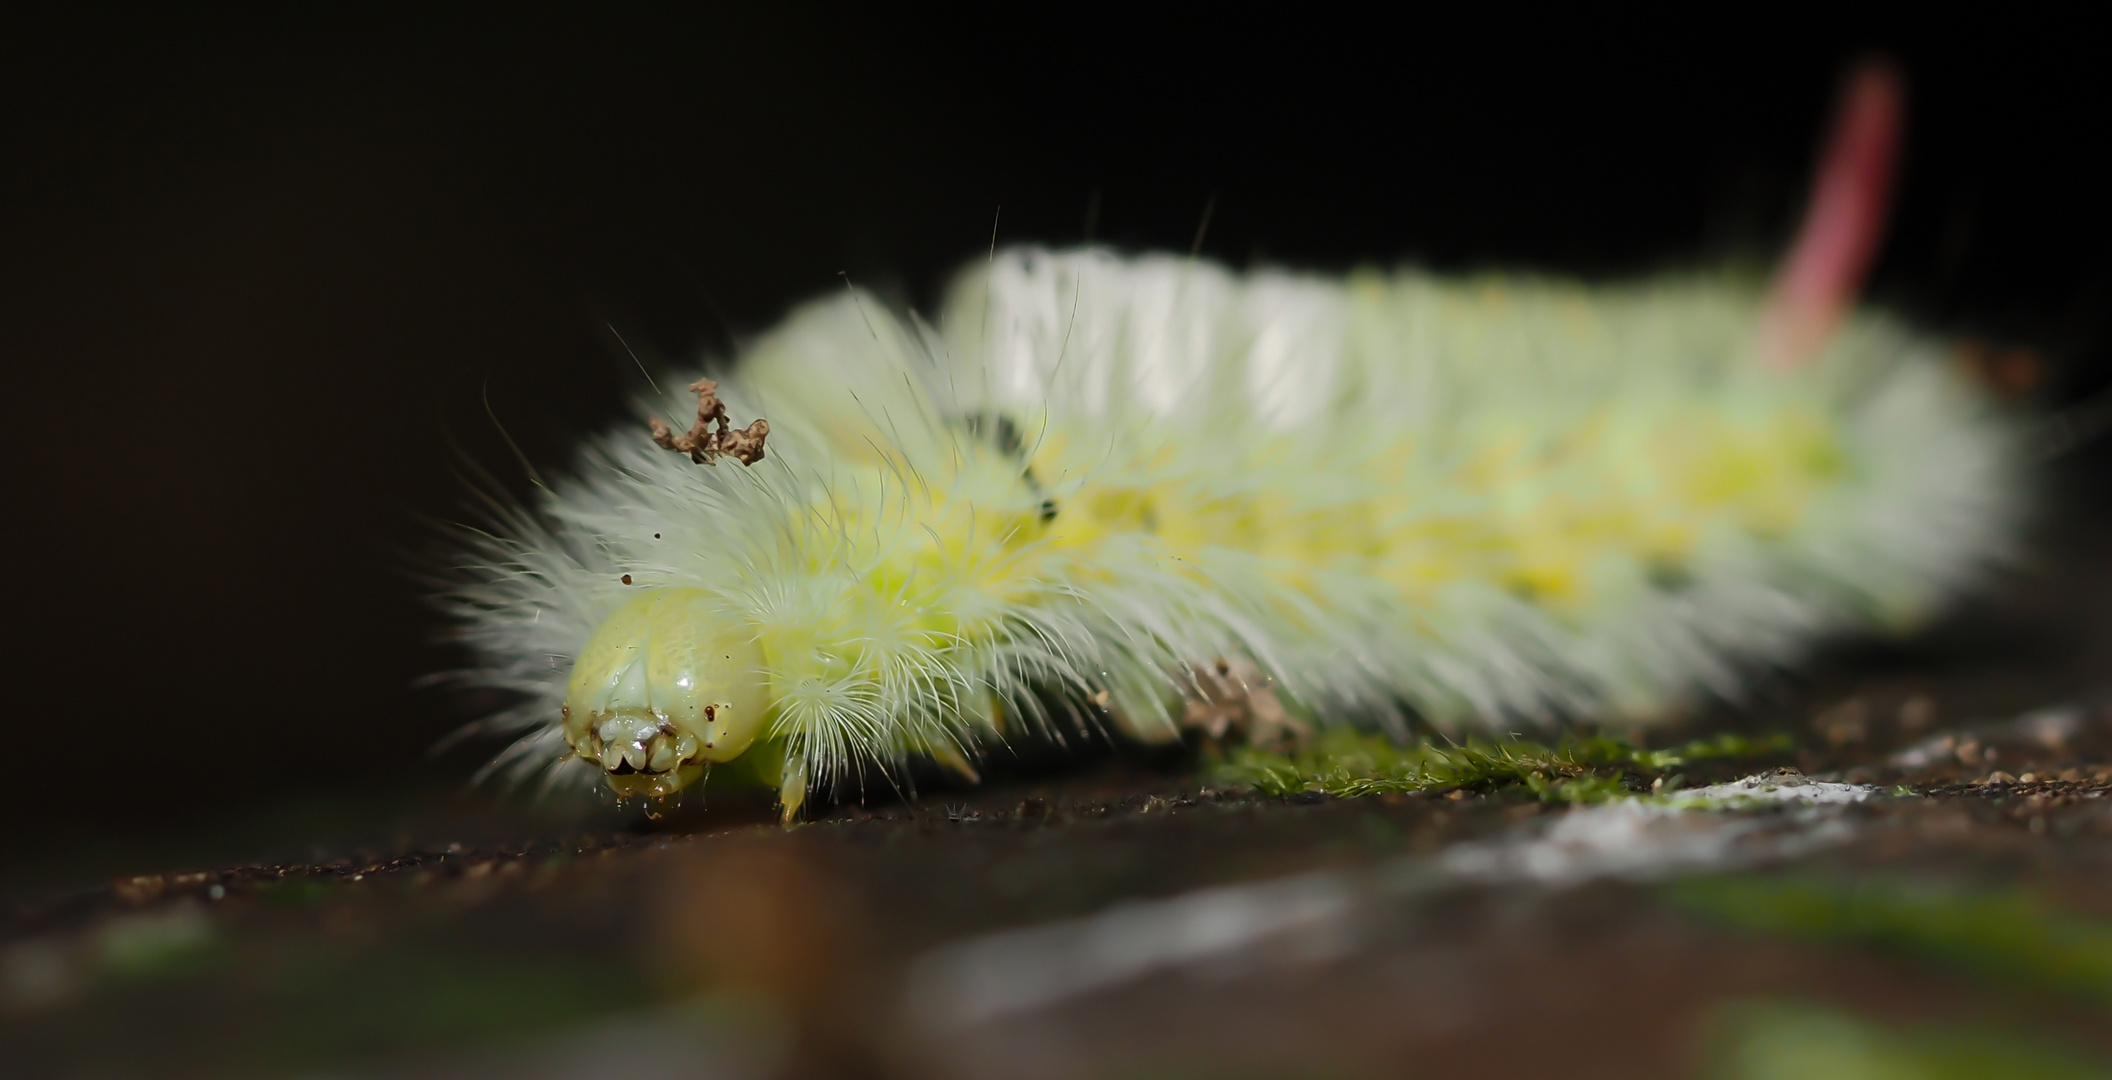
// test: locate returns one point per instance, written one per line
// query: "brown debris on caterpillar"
(1232, 697)
(704, 445)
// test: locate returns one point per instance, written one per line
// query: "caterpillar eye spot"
(626, 579)
(656, 536)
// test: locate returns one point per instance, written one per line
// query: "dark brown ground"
(717, 944)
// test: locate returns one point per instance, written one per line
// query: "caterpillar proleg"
(1151, 492)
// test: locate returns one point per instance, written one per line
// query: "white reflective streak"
(1318, 914)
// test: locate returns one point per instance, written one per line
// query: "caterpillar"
(1155, 494)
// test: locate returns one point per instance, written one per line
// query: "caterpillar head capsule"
(667, 685)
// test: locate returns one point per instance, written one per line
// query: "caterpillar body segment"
(1152, 492)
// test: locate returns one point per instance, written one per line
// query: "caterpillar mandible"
(1154, 493)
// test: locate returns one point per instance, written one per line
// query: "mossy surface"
(1351, 764)
(1791, 1040)
(2008, 934)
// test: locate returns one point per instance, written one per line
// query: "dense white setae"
(1154, 493)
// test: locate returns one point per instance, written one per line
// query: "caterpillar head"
(666, 686)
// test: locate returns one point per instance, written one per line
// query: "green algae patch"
(396, 1001)
(1350, 764)
(2007, 934)
(1793, 1040)
(297, 893)
(160, 945)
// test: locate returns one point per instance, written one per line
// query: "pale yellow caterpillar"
(1157, 494)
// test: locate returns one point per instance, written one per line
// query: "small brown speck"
(626, 579)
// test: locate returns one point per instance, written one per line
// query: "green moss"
(2006, 933)
(1723, 746)
(1351, 764)
(434, 1000)
(172, 943)
(297, 892)
(1800, 1041)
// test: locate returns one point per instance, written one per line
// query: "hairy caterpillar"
(1152, 492)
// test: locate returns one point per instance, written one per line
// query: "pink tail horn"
(1843, 222)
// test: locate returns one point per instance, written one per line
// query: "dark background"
(258, 274)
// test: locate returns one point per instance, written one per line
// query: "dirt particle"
(703, 445)
(1844, 723)
(1916, 713)
(139, 890)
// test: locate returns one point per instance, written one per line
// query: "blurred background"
(260, 274)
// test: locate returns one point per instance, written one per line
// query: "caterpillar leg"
(955, 762)
(792, 790)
